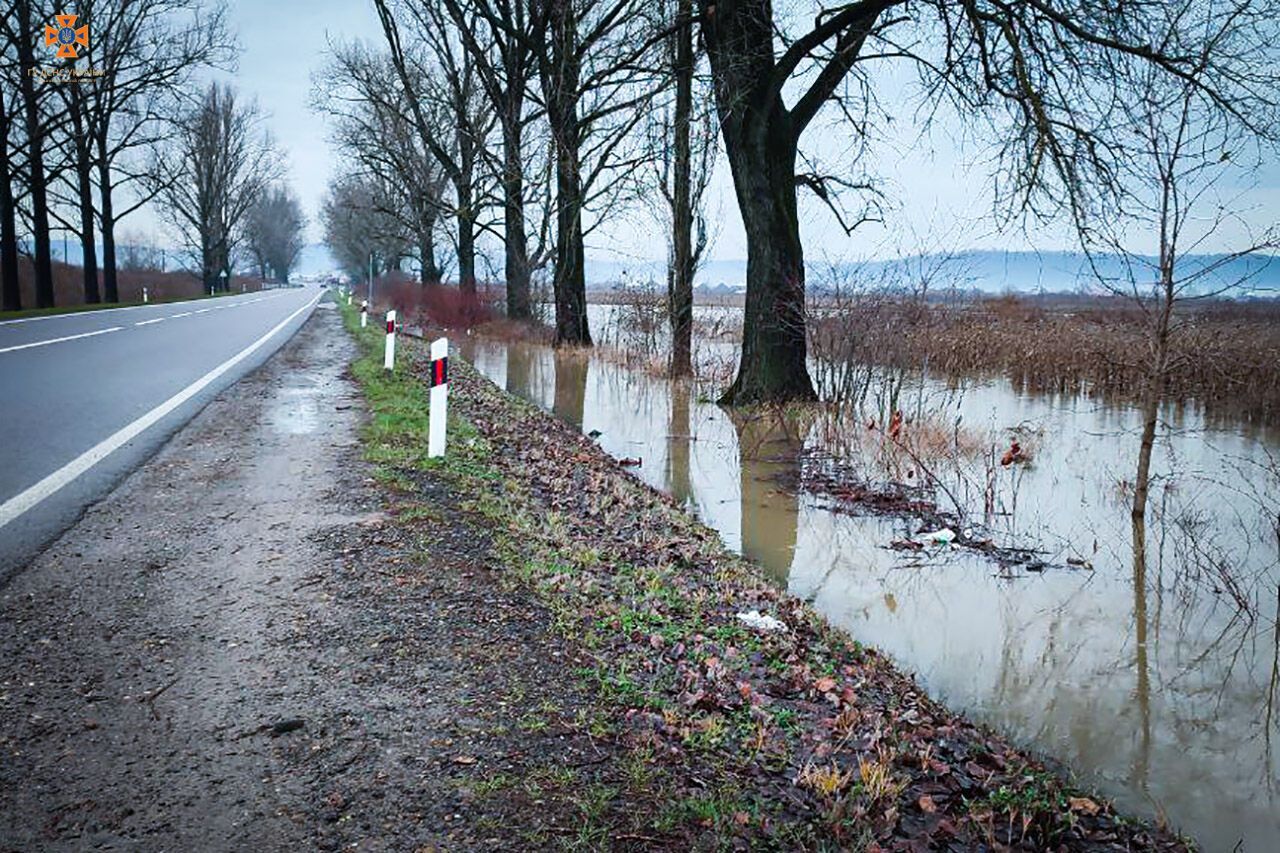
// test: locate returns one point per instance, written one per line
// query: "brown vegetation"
(1225, 355)
(68, 285)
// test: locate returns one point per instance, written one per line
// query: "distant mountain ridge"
(988, 271)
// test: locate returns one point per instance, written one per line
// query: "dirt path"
(235, 651)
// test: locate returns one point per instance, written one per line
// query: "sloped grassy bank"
(788, 739)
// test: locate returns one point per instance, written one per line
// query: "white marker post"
(144, 296)
(389, 357)
(364, 313)
(439, 397)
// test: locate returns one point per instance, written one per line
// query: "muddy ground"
(237, 651)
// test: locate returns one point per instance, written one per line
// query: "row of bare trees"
(89, 140)
(490, 99)
(531, 122)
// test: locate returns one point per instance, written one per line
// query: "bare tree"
(359, 229)
(1182, 151)
(453, 84)
(1036, 67)
(149, 54)
(597, 74)
(18, 27)
(221, 162)
(684, 142)
(274, 232)
(9, 134)
(498, 36)
(374, 130)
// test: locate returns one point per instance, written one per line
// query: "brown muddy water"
(1151, 671)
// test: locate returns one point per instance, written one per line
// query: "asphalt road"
(84, 398)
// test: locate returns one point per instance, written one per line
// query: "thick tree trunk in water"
(562, 83)
(774, 347)
(680, 290)
(84, 180)
(37, 185)
(10, 293)
(570, 274)
(517, 247)
(106, 212)
(760, 136)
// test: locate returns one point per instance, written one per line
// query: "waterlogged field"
(1146, 660)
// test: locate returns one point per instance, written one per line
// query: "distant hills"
(980, 270)
(985, 271)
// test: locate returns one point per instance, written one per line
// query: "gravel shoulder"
(237, 649)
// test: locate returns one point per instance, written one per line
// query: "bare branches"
(219, 166)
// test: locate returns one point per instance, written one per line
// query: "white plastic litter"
(945, 536)
(756, 620)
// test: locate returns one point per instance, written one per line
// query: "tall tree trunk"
(514, 237)
(774, 347)
(562, 80)
(467, 256)
(38, 180)
(84, 188)
(107, 217)
(760, 136)
(427, 251)
(466, 234)
(10, 293)
(680, 290)
(1151, 407)
(209, 265)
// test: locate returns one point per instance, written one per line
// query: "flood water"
(1153, 674)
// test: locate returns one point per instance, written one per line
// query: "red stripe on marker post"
(439, 371)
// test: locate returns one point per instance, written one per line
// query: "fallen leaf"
(825, 684)
(927, 804)
(1083, 805)
(464, 759)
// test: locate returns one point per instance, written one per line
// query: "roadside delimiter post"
(389, 356)
(364, 313)
(439, 397)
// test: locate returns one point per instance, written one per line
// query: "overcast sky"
(938, 190)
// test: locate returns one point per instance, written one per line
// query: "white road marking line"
(32, 496)
(204, 311)
(73, 314)
(183, 314)
(149, 322)
(60, 340)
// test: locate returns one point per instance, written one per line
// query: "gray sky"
(938, 189)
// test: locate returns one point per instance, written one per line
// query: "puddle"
(296, 411)
(1141, 673)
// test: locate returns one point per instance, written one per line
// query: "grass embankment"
(717, 734)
